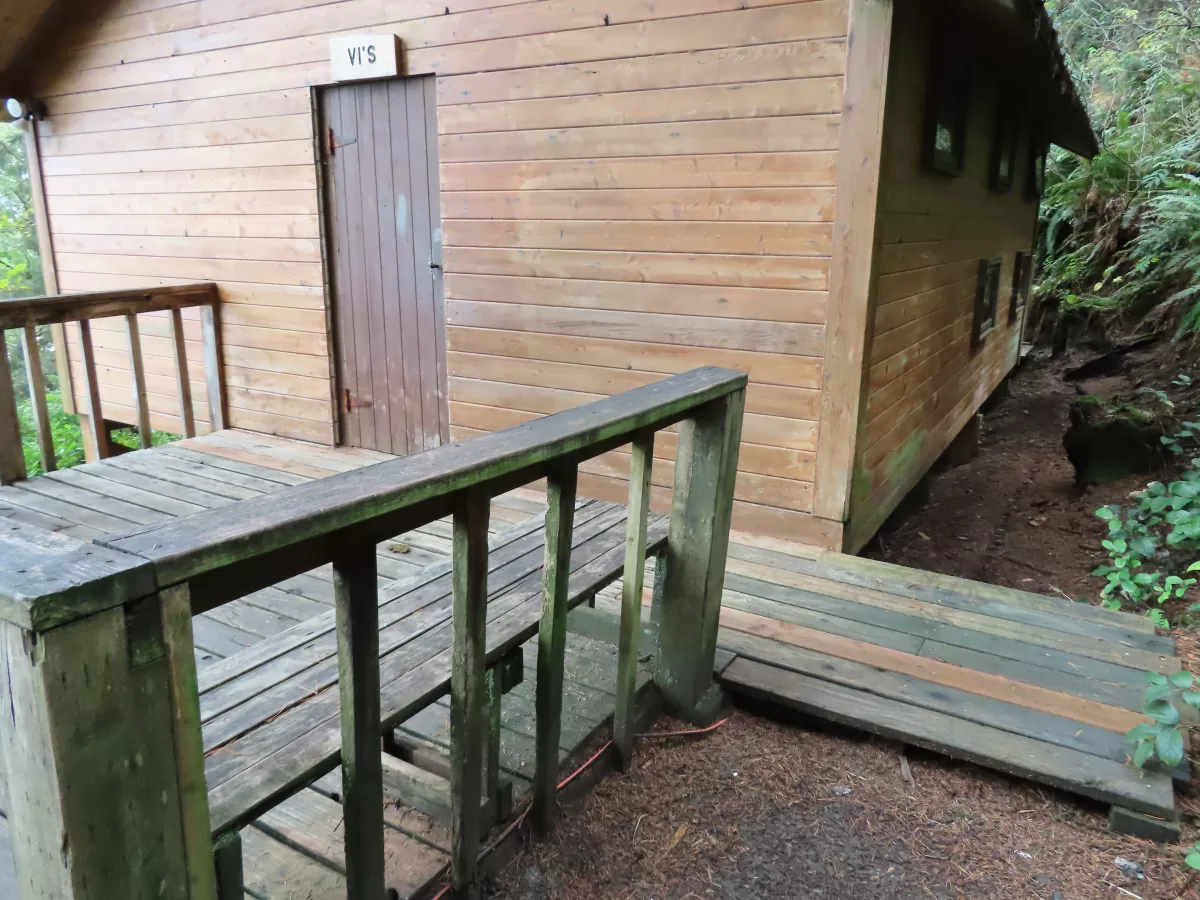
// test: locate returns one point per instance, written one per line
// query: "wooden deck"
(1031, 685)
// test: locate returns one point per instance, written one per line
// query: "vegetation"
(1120, 234)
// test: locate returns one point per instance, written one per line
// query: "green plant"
(1188, 431)
(1182, 381)
(1149, 545)
(1193, 857)
(1162, 737)
(1120, 233)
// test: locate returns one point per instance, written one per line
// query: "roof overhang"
(37, 33)
(1018, 40)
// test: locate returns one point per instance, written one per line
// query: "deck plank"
(1025, 757)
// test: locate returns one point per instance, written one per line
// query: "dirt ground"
(762, 809)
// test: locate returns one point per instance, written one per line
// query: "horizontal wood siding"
(627, 192)
(924, 379)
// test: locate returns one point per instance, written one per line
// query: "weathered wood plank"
(183, 384)
(467, 714)
(137, 365)
(358, 688)
(95, 414)
(631, 595)
(552, 642)
(701, 509)
(214, 374)
(37, 394)
(314, 511)
(1082, 773)
(57, 309)
(12, 457)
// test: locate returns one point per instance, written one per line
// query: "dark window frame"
(987, 298)
(1004, 145)
(947, 106)
(1035, 168)
(1021, 283)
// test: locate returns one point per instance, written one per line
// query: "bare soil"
(766, 809)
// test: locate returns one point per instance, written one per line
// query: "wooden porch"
(1030, 685)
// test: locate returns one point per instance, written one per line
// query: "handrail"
(152, 580)
(27, 313)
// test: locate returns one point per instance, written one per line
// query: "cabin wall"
(924, 380)
(628, 191)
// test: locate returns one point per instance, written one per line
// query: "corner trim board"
(855, 259)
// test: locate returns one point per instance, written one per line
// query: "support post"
(183, 384)
(102, 787)
(494, 691)
(94, 422)
(631, 596)
(698, 539)
(12, 457)
(357, 609)
(214, 377)
(138, 368)
(552, 643)
(468, 721)
(37, 398)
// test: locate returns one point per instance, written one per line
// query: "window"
(1035, 178)
(1022, 277)
(946, 112)
(987, 293)
(1004, 148)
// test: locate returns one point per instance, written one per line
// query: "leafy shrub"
(1151, 543)
(1162, 737)
(1120, 233)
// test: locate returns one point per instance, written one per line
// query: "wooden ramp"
(1034, 686)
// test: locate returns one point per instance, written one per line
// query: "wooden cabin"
(431, 220)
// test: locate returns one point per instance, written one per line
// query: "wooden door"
(384, 229)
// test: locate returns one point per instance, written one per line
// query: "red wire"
(516, 823)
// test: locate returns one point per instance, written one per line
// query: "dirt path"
(759, 810)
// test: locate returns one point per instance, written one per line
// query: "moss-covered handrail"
(101, 678)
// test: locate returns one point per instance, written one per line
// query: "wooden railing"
(26, 314)
(112, 678)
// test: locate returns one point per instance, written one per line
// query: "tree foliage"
(1121, 232)
(20, 267)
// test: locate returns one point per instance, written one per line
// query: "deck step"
(1100, 779)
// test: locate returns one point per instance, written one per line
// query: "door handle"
(435, 266)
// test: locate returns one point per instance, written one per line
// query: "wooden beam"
(60, 308)
(552, 643)
(41, 218)
(214, 375)
(37, 397)
(701, 510)
(378, 497)
(12, 456)
(468, 721)
(854, 265)
(97, 432)
(176, 616)
(631, 596)
(356, 605)
(183, 384)
(137, 366)
(997, 687)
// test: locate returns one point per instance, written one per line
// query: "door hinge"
(349, 401)
(332, 144)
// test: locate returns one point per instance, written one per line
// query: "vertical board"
(384, 226)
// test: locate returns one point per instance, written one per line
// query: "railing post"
(99, 431)
(356, 599)
(214, 376)
(552, 643)
(37, 398)
(101, 754)
(698, 538)
(137, 370)
(183, 384)
(12, 457)
(468, 719)
(631, 595)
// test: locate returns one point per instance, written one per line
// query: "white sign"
(359, 56)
